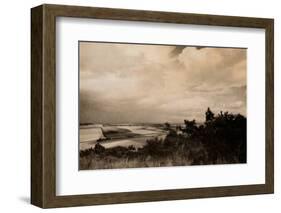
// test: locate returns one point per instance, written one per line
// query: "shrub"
(220, 139)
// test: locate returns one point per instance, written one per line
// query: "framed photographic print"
(136, 106)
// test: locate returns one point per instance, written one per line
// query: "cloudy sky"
(121, 83)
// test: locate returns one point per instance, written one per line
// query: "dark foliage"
(222, 137)
(209, 115)
(220, 140)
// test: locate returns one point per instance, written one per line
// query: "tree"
(167, 126)
(209, 115)
(190, 127)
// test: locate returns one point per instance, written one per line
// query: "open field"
(220, 139)
(118, 135)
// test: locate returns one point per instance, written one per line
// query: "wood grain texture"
(36, 106)
(269, 120)
(43, 105)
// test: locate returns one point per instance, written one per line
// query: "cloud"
(156, 83)
(177, 51)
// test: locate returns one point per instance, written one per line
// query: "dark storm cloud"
(177, 51)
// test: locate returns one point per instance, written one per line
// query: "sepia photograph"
(156, 105)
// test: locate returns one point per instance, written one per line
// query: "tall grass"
(220, 140)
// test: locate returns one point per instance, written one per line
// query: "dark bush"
(220, 139)
(99, 149)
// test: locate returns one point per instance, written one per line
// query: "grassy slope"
(221, 140)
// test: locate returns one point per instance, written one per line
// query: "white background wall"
(15, 105)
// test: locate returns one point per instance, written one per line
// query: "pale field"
(123, 135)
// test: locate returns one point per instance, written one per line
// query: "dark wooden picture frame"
(43, 105)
